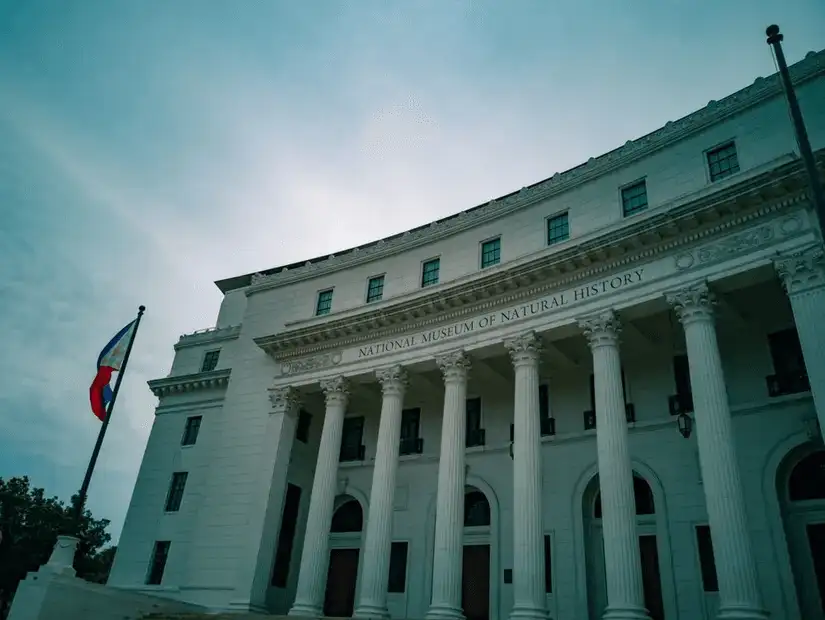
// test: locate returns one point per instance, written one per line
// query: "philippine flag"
(109, 361)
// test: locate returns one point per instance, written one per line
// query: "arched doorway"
(801, 489)
(648, 548)
(475, 583)
(344, 551)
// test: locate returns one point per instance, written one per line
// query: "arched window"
(642, 495)
(476, 509)
(348, 517)
(807, 479)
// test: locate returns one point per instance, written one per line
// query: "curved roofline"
(760, 90)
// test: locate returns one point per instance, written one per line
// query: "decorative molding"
(524, 349)
(602, 329)
(208, 336)
(336, 390)
(692, 303)
(803, 271)
(454, 366)
(761, 90)
(393, 380)
(284, 399)
(317, 362)
(212, 380)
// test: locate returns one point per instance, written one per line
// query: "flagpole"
(84, 488)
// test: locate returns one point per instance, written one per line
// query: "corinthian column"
(530, 599)
(309, 598)
(265, 513)
(739, 595)
(803, 275)
(449, 517)
(378, 543)
(623, 569)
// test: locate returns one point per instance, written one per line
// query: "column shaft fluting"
(378, 543)
(449, 520)
(309, 598)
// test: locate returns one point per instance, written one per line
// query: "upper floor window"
(722, 161)
(634, 198)
(191, 430)
(475, 433)
(375, 288)
(429, 272)
(351, 447)
(324, 304)
(175, 495)
(558, 228)
(210, 360)
(491, 252)
(790, 375)
(302, 428)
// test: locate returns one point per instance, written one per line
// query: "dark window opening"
(790, 375)
(191, 430)
(375, 289)
(548, 566)
(175, 494)
(723, 161)
(430, 272)
(807, 479)
(475, 434)
(348, 518)
(491, 253)
(642, 496)
(210, 361)
(411, 443)
(634, 198)
(351, 446)
(558, 228)
(476, 509)
(302, 428)
(707, 563)
(682, 401)
(158, 563)
(286, 537)
(397, 582)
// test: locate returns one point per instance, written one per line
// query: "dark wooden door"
(339, 601)
(475, 585)
(651, 578)
(816, 541)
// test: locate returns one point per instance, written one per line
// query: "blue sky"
(148, 148)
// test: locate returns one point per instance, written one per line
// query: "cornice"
(761, 90)
(214, 379)
(684, 226)
(208, 336)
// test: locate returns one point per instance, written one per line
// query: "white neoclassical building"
(598, 396)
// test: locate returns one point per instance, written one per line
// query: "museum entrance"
(475, 582)
(345, 547)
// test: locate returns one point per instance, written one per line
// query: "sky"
(149, 148)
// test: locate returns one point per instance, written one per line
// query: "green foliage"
(30, 523)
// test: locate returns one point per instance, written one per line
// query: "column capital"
(524, 349)
(692, 303)
(284, 399)
(803, 270)
(393, 380)
(602, 329)
(454, 366)
(336, 389)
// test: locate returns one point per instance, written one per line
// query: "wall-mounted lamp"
(685, 424)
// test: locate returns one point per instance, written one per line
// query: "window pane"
(723, 162)
(302, 428)
(490, 252)
(375, 289)
(175, 494)
(157, 564)
(430, 272)
(210, 361)
(324, 303)
(558, 229)
(397, 582)
(190, 433)
(634, 198)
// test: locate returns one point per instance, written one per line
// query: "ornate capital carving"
(284, 399)
(336, 390)
(454, 366)
(692, 303)
(601, 330)
(524, 349)
(802, 271)
(393, 380)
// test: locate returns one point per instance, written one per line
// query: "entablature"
(214, 379)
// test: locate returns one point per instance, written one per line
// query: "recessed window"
(158, 563)
(352, 448)
(210, 361)
(723, 161)
(286, 537)
(707, 563)
(475, 434)
(175, 495)
(375, 289)
(191, 430)
(558, 228)
(491, 252)
(324, 304)
(429, 272)
(548, 565)
(397, 582)
(302, 428)
(634, 198)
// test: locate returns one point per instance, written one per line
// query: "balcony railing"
(784, 384)
(352, 453)
(680, 403)
(475, 437)
(590, 416)
(411, 445)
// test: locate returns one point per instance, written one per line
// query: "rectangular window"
(210, 361)
(475, 434)
(410, 421)
(430, 271)
(634, 198)
(351, 448)
(191, 430)
(397, 582)
(175, 494)
(286, 537)
(558, 228)
(722, 161)
(707, 563)
(375, 289)
(786, 353)
(491, 252)
(158, 563)
(548, 566)
(544, 402)
(302, 428)
(324, 304)
(683, 400)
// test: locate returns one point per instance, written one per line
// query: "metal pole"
(815, 184)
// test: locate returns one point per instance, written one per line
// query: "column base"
(369, 611)
(444, 612)
(522, 612)
(741, 612)
(625, 612)
(303, 610)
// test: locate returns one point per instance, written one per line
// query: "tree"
(30, 523)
